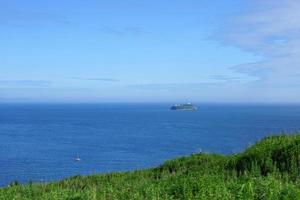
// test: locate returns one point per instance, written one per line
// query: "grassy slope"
(268, 170)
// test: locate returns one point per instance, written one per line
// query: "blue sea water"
(40, 142)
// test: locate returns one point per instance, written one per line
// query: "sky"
(150, 51)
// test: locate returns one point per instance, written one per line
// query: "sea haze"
(40, 142)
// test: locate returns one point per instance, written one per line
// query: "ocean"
(40, 142)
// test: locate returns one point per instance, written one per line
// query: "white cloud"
(24, 83)
(271, 30)
(96, 79)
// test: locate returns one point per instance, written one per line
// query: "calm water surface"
(40, 142)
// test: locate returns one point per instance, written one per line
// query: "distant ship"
(77, 159)
(185, 106)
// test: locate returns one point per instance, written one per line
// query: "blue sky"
(149, 51)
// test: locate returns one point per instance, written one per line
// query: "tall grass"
(268, 170)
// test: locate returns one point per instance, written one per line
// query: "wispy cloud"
(20, 18)
(272, 30)
(170, 86)
(25, 83)
(220, 77)
(96, 79)
(213, 81)
(125, 31)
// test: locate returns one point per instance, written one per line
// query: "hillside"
(268, 170)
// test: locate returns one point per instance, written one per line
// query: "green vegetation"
(268, 170)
